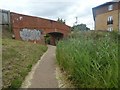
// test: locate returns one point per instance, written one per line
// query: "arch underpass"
(53, 37)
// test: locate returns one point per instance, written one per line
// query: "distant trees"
(80, 27)
(61, 20)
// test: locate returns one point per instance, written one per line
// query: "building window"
(110, 20)
(110, 28)
(110, 7)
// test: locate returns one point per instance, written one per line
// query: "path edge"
(27, 82)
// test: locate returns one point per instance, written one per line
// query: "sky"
(52, 9)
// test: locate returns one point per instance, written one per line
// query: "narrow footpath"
(43, 73)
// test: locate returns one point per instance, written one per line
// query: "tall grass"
(90, 59)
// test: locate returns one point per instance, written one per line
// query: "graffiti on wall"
(30, 34)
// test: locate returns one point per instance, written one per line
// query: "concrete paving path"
(44, 74)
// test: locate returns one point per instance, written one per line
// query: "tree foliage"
(61, 20)
(80, 27)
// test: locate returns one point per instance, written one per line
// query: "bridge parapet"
(30, 23)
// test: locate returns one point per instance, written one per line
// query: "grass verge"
(17, 59)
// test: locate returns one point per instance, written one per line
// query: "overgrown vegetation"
(6, 32)
(47, 39)
(18, 57)
(90, 59)
(80, 27)
(61, 20)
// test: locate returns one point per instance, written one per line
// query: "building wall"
(0, 17)
(5, 20)
(101, 20)
(104, 9)
(27, 27)
(119, 15)
(5, 17)
(119, 21)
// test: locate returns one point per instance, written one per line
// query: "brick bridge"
(35, 29)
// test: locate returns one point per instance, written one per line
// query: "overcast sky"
(52, 9)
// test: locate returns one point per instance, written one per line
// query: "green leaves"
(80, 27)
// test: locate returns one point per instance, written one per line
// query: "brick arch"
(55, 37)
(55, 30)
(20, 21)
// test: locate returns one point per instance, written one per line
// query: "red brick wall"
(20, 21)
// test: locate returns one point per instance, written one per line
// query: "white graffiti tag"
(28, 34)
